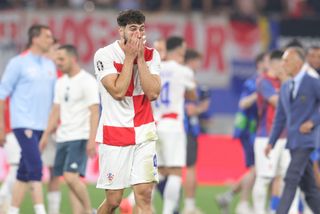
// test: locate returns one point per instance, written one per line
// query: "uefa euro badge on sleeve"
(99, 65)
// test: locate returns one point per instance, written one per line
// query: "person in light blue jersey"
(29, 80)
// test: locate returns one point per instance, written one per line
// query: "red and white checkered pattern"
(129, 121)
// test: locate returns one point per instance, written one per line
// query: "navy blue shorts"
(192, 150)
(30, 166)
(248, 150)
(71, 157)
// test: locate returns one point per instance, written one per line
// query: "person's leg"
(54, 194)
(296, 169)
(308, 186)
(75, 159)
(190, 185)
(142, 193)
(111, 202)
(172, 190)
(75, 203)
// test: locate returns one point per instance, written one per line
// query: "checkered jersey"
(129, 121)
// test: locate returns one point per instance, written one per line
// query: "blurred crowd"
(292, 8)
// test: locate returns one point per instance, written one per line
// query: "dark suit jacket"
(304, 107)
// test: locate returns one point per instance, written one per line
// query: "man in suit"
(298, 110)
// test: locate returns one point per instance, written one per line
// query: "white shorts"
(121, 167)
(278, 161)
(12, 149)
(172, 149)
(49, 153)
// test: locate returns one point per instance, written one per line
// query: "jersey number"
(164, 95)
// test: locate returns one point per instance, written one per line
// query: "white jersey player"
(177, 82)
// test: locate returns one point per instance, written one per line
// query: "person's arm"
(150, 83)
(94, 121)
(277, 126)
(316, 172)
(9, 80)
(115, 83)
(248, 101)
(53, 123)
(2, 125)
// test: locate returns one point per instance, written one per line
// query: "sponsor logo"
(100, 65)
(74, 165)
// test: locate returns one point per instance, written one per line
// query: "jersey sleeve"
(155, 66)
(266, 89)
(56, 98)
(10, 78)
(188, 79)
(103, 63)
(91, 92)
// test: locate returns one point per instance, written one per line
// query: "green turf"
(204, 200)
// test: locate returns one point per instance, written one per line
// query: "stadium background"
(228, 39)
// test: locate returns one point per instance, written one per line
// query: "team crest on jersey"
(28, 133)
(99, 65)
(110, 176)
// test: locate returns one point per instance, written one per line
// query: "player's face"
(63, 61)
(44, 41)
(313, 58)
(276, 65)
(131, 29)
(290, 60)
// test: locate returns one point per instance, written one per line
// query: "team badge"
(110, 176)
(28, 133)
(99, 65)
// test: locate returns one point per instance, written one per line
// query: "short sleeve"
(91, 91)
(189, 80)
(155, 64)
(103, 63)
(9, 78)
(56, 98)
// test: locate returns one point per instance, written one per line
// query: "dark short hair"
(191, 54)
(34, 31)
(130, 17)
(174, 42)
(276, 54)
(259, 58)
(70, 49)
(293, 43)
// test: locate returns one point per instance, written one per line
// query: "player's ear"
(121, 31)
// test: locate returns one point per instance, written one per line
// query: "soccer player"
(29, 81)
(177, 83)
(245, 130)
(75, 115)
(128, 76)
(193, 110)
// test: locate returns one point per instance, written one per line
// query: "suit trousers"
(300, 173)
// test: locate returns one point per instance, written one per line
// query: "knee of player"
(144, 195)
(113, 202)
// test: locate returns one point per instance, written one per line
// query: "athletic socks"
(39, 209)
(54, 199)
(171, 194)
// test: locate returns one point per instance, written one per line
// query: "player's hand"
(91, 148)
(43, 142)
(267, 150)
(132, 46)
(306, 127)
(141, 47)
